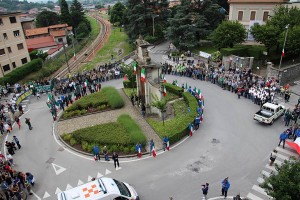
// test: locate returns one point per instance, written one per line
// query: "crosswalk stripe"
(278, 162)
(286, 152)
(260, 180)
(253, 197)
(265, 173)
(282, 156)
(270, 167)
(260, 190)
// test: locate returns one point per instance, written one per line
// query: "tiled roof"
(58, 33)
(40, 42)
(53, 50)
(36, 31)
(58, 26)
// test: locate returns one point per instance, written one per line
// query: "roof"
(103, 9)
(36, 31)
(26, 19)
(55, 49)
(9, 13)
(58, 26)
(58, 33)
(257, 1)
(271, 105)
(40, 42)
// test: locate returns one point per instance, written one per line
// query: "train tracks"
(88, 53)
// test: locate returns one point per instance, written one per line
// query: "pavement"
(229, 143)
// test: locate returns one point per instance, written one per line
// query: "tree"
(47, 18)
(116, 13)
(284, 185)
(128, 70)
(292, 46)
(65, 16)
(77, 13)
(83, 29)
(161, 105)
(228, 34)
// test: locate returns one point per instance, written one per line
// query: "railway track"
(88, 52)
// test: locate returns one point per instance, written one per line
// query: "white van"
(100, 189)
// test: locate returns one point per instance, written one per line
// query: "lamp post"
(282, 53)
(153, 29)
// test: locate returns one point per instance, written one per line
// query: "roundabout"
(229, 143)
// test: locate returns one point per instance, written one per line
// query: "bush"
(255, 51)
(84, 145)
(128, 84)
(66, 137)
(20, 72)
(107, 98)
(73, 142)
(150, 39)
(174, 89)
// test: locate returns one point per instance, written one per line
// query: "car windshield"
(267, 109)
(123, 188)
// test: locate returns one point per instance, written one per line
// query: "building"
(249, 12)
(173, 3)
(27, 23)
(13, 48)
(103, 11)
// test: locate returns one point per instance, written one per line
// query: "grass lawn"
(117, 40)
(52, 65)
(106, 17)
(120, 136)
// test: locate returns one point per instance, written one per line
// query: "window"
(266, 16)
(1, 21)
(240, 15)
(6, 67)
(252, 15)
(24, 60)
(16, 33)
(2, 52)
(12, 20)
(60, 40)
(9, 49)
(20, 46)
(14, 64)
(5, 36)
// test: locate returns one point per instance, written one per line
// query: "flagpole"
(286, 33)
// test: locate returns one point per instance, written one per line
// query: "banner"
(23, 96)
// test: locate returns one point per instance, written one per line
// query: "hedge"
(120, 136)
(255, 51)
(127, 84)
(174, 89)
(20, 72)
(107, 98)
(177, 127)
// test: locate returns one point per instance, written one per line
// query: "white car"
(269, 113)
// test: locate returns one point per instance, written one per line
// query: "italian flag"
(165, 80)
(153, 152)
(199, 94)
(168, 146)
(134, 67)
(186, 86)
(282, 53)
(143, 75)
(191, 131)
(74, 56)
(295, 145)
(86, 83)
(165, 91)
(125, 78)
(140, 152)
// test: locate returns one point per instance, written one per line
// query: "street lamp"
(153, 17)
(282, 53)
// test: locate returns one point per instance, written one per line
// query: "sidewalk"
(68, 126)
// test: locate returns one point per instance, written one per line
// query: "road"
(229, 143)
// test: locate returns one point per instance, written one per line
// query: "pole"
(66, 57)
(73, 45)
(153, 30)
(285, 37)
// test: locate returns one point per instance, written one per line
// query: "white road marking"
(118, 168)
(260, 180)
(253, 197)
(46, 195)
(58, 169)
(221, 197)
(287, 152)
(57, 190)
(89, 178)
(107, 172)
(282, 156)
(34, 194)
(265, 173)
(99, 175)
(79, 182)
(260, 190)
(270, 167)
(69, 187)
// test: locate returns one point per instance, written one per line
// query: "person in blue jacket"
(96, 152)
(225, 187)
(283, 136)
(165, 140)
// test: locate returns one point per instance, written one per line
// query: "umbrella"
(295, 145)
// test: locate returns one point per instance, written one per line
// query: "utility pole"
(153, 27)
(282, 53)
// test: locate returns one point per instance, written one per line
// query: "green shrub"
(90, 148)
(174, 89)
(19, 73)
(73, 142)
(66, 137)
(84, 145)
(126, 150)
(255, 51)
(132, 149)
(128, 84)
(150, 39)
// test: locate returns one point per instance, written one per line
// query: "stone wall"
(237, 62)
(286, 74)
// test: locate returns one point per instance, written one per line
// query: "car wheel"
(272, 122)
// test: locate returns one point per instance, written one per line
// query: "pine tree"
(65, 16)
(77, 13)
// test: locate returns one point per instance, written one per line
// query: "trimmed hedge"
(120, 136)
(255, 51)
(107, 98)
(127, 84)
(177, 127)
(20, 72)
(174, 89)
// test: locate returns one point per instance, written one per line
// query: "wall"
(286, 74)
(236, 61)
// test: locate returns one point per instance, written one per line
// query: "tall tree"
(284, 185)
(47, 18)
(77, 13)
(65, 16)
(228, 34)
(117, 13)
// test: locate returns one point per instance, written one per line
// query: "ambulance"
(100, 189)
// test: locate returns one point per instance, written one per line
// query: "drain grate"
(215, 141)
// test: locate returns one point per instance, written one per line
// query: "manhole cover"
(50, 160)
(215, 141)
(60, 149)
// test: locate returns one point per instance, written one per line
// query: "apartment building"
(13, 48)
(249, 12)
